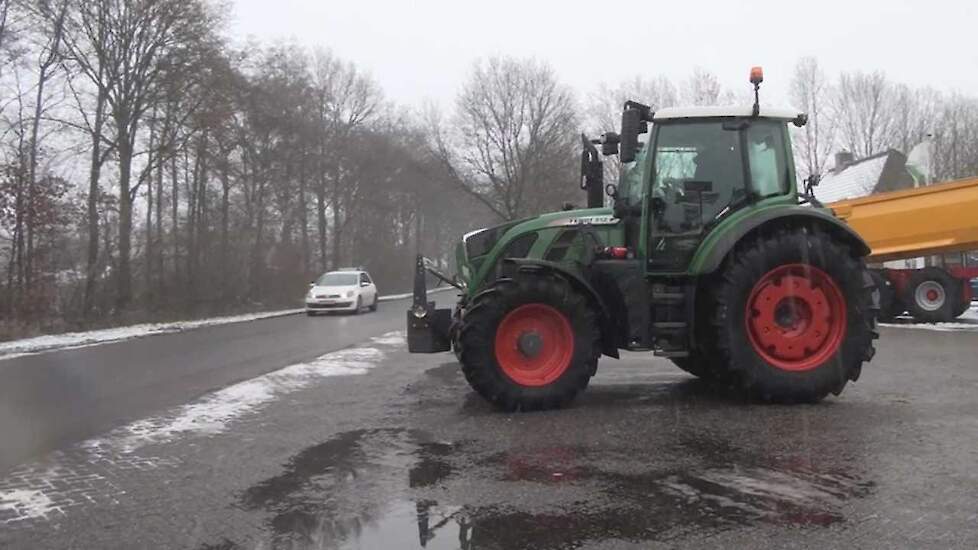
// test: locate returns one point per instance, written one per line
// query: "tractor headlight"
(419, 311)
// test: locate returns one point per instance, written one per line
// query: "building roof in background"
(856, 179)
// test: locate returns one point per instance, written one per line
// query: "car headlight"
(349, 294)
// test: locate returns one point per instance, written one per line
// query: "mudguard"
(801, 215)
(608, 343)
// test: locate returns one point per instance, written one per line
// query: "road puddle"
(399, 489)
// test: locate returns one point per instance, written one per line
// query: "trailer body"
(910, 223)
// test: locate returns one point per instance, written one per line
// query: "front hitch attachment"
(427, 327)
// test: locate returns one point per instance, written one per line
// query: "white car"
(345, 290)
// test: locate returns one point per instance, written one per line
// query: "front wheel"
(529, 343)
(373, 307)
(796, 316)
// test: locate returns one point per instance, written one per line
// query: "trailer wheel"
(930, 295)
(529, 343)
(890, 305)
(795, 316)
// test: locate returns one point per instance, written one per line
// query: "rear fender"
(608, 342)
(800, 216)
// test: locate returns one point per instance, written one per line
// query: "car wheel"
(359, 306)
(373, 307)
(311, 313)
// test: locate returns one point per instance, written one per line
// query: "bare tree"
(861, 112)
(702, 88)
(516, 135)
(50, 58)
(810, 93)
(127, 49)
(915, 113)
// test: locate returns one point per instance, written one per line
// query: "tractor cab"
(700, 166)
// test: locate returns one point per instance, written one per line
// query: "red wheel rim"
(796, 317)
(534, 344)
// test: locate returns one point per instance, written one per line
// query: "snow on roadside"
(214, 412)
(967, 322)
(28, 346)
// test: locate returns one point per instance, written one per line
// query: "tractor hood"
(479, 242)
(476, 246)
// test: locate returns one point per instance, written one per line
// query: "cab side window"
(768, 166)
(364, 278)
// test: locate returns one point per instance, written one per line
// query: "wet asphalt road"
(403, 455)
(51, 400)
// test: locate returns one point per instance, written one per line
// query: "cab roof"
(777, 113)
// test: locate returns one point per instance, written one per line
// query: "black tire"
(359, 306)
(890, 305)
(477, 336)
(925, 283)
(311, 313)
(373, 307)
(755, 260)
(960, 304)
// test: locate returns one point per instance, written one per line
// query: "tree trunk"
(94, 175)
(321, 218)
(304, 220)
(124, 274)
(175, 217)
(225, 271)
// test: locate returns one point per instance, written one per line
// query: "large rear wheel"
(529, 343)
(796, 316)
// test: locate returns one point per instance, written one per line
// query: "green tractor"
(708, 256)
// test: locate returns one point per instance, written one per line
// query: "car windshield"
(338, 279)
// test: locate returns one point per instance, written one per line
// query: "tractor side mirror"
(635, 120)
(631, 121)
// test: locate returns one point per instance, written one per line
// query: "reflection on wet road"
(734, 490)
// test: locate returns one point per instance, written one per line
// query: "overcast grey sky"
(424, 48)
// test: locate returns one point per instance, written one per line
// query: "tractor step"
(667, 297)
(675, 354)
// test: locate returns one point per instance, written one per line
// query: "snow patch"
(72, 340)
(967, 322)
(215, 412)
(396, 338)
(26, 503)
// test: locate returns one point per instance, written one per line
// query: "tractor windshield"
(700, 155)
(698, 152)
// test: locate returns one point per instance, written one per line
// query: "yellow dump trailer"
(935, 219)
